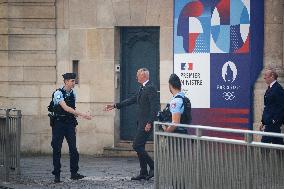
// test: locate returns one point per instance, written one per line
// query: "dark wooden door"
(139, 49)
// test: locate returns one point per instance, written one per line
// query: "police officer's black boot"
(57, 179)
(76, 176)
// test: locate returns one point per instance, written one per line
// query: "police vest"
(69, 100)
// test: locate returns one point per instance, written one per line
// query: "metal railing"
(195, 161)
(10, 137)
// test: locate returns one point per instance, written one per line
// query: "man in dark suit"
(273, 113)
(148, 107)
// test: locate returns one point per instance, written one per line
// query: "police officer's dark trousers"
(139, 146)
(59, 131)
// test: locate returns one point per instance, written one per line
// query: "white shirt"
(271, 84)
(145, 83)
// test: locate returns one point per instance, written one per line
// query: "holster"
(51, 119)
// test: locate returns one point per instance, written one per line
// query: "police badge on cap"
(69, 76)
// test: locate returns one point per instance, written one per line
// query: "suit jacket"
(148, 104)
(273, 105)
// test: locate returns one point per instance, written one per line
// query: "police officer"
(176, 104)
(65, 126)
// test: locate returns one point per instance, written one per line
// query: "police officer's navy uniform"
(64, 126)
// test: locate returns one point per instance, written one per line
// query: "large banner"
(218, 54)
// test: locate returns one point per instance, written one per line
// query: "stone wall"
(4, 69)
(273, 52)
(28, 72)
(40, 39)
(89, 32)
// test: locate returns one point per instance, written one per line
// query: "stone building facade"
(41, 39)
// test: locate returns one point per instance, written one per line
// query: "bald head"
(270, 75)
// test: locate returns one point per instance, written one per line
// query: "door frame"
(123, 70)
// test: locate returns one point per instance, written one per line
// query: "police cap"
(69, 76)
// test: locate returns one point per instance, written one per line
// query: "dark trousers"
(59, 131)
(269, 139)
(139, 146)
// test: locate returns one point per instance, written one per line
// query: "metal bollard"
(10, 138)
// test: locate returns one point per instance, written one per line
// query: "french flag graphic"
(186, 66)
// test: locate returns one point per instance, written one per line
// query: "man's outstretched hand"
(109, 107)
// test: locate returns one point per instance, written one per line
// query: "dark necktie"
(141, 88)
(267, 91)
(140, 91)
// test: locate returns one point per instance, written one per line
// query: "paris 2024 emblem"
(229, 75)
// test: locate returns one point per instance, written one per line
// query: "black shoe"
(151, 174)
(139, 177)
(77, 176)
(57, 179)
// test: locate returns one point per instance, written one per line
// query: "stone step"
(124, 149)
(128, 144)
(122, 152)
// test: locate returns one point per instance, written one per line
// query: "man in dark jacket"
(273, 113)
(148, 107)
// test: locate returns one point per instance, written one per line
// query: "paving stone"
(100, 172)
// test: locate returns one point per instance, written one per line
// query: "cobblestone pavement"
(101, 172)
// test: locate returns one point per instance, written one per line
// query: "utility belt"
(63, 118)
(60, 115)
